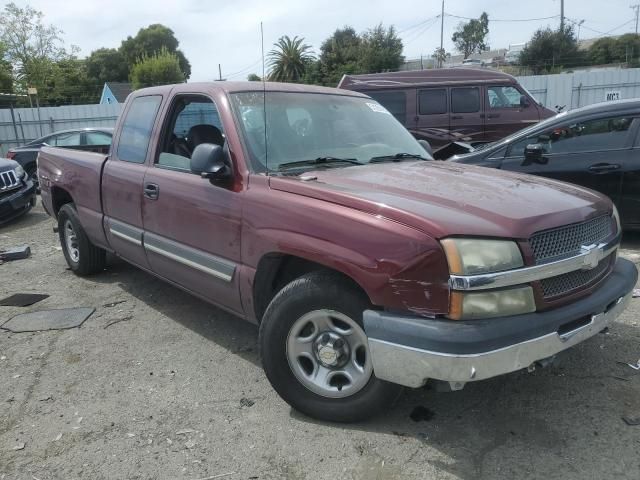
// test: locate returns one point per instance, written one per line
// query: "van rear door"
(432, 119)
(466, 120)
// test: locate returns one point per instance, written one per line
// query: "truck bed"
(79, 174)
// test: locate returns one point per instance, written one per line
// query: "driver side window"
(193, 120)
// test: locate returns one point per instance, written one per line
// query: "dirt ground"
(159, 385)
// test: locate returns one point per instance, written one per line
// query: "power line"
(415, 35)
(404, 30)
(504, 19)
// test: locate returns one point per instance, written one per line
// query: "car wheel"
(315, 352)
(82, 256)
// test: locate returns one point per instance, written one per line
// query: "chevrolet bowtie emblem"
(592, 254)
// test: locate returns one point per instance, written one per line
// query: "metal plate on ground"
(48, 320)
(22, 299)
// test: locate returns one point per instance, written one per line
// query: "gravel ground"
(159, 385)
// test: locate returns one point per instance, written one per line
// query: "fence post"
(15, 127)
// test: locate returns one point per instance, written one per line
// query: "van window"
(433, 101)
(395, 102)
(136, 129)
(465, 100)
(503, 97)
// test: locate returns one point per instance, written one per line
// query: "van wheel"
(82, 256)
(315, 352)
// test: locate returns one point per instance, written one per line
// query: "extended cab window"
(608, 133)
(193, 120)
(395, 102)
(136, 129)
(465, 100)
(503, 97)
(432, 101)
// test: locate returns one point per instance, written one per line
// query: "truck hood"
(443, 199)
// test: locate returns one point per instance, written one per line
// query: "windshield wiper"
(318, 161)
(397, 157)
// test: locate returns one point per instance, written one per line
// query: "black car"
(91, 139)
(596, 146)
(17, 191)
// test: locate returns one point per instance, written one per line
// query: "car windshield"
(308, 130)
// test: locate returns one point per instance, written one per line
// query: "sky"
(227, 32)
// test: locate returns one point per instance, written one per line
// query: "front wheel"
(315, 352)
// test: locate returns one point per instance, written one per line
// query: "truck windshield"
(304, 126)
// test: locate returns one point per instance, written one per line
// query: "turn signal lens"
(491, 304)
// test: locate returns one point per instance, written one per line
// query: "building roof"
(120, 90)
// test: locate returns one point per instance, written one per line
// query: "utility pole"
(219, 73)
(579, 25)
(636, 7)
(562, 15)
(441, 36)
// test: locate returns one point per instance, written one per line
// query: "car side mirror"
(534, 153)
(524, 101)
(210, 161)
(427, 147)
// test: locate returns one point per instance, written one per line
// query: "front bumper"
(410, 350)
(17, 202)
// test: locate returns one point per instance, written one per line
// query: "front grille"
(8, 180)
(566, 241)
(562, 284)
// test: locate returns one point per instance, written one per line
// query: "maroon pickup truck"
(313, 213)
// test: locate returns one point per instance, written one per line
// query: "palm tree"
(289, 59)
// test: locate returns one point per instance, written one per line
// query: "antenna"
(264, 102)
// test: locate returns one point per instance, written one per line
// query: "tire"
(294, 333)
(82, 256)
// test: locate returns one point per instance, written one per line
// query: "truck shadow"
(547, 423)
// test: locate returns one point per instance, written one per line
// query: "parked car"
(17, 191)
(365, 266)
(452, 104)
(596, 147)
(89, 139)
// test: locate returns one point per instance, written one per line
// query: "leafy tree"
(6, 71)
(106, 65)
(253, 77)
(440, 55)
(470, 37)
(30, 46)
(69, 84)
(549, 48)
(626, 48)
(289, 59)
(161, 68)
(151, 40)
(340, 54)
(602, 50)
(381, 50)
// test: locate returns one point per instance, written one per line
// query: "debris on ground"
(636, 293)
(58, 437)
(16, 253)
(190, 444)
(220, 475)
(635, 366)
(19, 446)
(631, 421)
(61, 319)
(421, 414)
(22, 299)
(118, 320)
(113, 304)
(186, 431)
(246, 402)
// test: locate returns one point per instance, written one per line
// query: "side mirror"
(534, 154)
(210, 161)
(524, 101)
(427, 147)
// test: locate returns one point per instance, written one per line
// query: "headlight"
(468, 256)
(492, 304)
(616, 217)
(19, 171)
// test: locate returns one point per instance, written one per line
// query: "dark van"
(452, 104)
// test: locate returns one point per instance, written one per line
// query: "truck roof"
(234, 87)
(429, 77)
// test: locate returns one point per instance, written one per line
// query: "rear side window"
(136, 129)
(433, 101)
(395, 102)
(465, 100)
(98, 138)
(71, 139)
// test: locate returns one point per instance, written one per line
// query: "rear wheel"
(82, 256)
(315, 352)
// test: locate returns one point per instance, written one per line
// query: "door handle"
(493, 115)
(457, 117)
(151, 191)
(604, 167)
